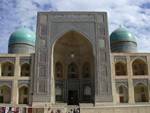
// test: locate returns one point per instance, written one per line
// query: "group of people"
(77, 110)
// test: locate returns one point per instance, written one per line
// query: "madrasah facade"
(72, 62)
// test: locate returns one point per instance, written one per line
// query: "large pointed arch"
(63, 32)
(72, 49)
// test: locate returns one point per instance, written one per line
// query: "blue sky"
(133, 14)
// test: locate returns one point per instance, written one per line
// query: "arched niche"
(25, 69)
(7, 69)
(139, 67)
(5, 94)
(120, 69)
(141, 93)
(123, 94)
(23, 95)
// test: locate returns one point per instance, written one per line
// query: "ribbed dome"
(22, 35)
(121, 34)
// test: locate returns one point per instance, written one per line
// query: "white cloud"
(129, 13)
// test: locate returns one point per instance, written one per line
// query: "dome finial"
(121, 26)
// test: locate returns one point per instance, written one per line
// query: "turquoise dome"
(120, 35)
(22, 35)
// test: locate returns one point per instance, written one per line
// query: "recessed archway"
(73, 50)
(7, 69)
(139, 67)
(25, 70)
(141, 93)
(123, 94)
(23, 95)
(120, 69)
(5, 94)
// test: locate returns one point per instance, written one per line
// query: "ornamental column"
(15, 89)
(130, 82)
(114, 89)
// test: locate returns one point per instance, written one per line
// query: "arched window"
(86, 71)
(139, 67)
(120, 68)
(25, 70)
(72, 70)
(23, 95)
(5, 94)
(141, 93)
(7, 69)
(58, 70)
(123, 94)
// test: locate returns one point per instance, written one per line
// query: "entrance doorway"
(73, 97)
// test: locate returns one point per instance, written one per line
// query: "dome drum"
(124, 46)
(21, 48)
